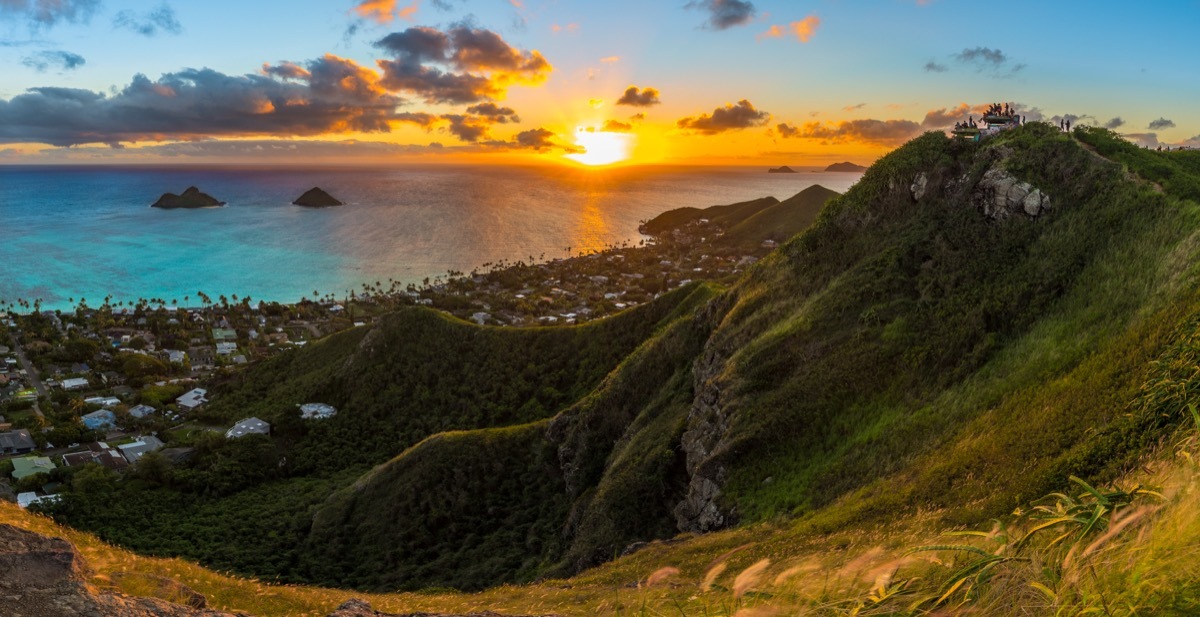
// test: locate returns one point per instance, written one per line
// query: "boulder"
(316, 198)
(1000, 195)
(191, 198)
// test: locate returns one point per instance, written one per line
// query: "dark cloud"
(542, 139)
(494, 113)
(787, 131)
(225, 150)
(46, 60)
(616, 126)
(1114, 123)
(723, 14)
(730, 117)
(942, 118)
(875, 132)
(285, 70)
(634, 97)
(1160, 124)
(638, 117)
(854, 107)
(161, 19)
(470, 129)
(462, 65)
(47, 13)
(417, 45)
(336, 95)
(934, 67)
(987, 60)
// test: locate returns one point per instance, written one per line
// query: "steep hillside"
(747, 224)
(967, 327)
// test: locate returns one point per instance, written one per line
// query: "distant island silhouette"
(316, 198)
(191, 198)
(847, 166)
(781, 170)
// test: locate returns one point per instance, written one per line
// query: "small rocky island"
(781, 170)
(847, 166)
(316, 198)
(191, 198)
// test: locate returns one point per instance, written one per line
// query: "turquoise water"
(88, 232)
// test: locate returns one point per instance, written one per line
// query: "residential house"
(224, 334)
(75, 383)
(135, 450)
(31, 465)
(175, 356)
(249, 426)
(317, 411)
(192, 400)
(141, 411)
(225, 349)
(103, 401)
(28, 499)
(103, 420)
(99, 453)
(16, 442)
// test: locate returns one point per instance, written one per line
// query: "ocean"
(71, 233)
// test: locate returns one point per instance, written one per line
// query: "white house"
(249, 426)
(103, 401)
(75, 383)
(192, 400)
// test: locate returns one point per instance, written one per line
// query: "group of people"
(1003, 110)
(1064, 125)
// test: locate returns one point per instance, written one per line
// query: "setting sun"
(601, 147)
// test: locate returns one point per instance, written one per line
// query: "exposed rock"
(191, 198)
(707, 429)
(781, 170)
(45, 577)
(847, 166)
(359, 608)
(1000, 195)
(316, 198)
(919, 186)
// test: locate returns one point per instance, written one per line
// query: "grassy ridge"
(247, 505)
(911, 338)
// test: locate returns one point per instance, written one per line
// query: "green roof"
(224, 334)
(30, 465)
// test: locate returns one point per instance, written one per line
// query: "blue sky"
(877, 61)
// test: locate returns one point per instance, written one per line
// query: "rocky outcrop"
(919, 186)
(707, 430)
(784, 169)
(316, 198)
(1000, 195)
(46, 577)
(191, 198)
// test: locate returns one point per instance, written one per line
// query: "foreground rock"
(191, 198)
(316, 198)
(46, 577)
(781, 170)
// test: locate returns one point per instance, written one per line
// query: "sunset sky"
(670, 81)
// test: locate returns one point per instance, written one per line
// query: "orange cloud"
(384, 11)
(611, 59)
(571, 27)
(803, 29)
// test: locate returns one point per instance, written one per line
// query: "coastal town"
(122, 386)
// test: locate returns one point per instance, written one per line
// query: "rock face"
(781, 170)
(191, 198)
(999, 195)
(919, 186)
(846, 166)
(45, 577)
(316, 198)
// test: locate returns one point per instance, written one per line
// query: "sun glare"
(601, 147)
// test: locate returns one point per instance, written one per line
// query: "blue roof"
(100, 420)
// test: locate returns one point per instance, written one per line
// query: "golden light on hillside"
(601, 147)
